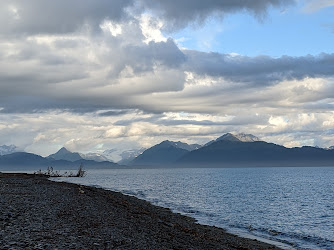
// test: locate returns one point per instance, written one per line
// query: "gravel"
(36, 213)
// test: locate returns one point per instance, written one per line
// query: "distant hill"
(163, 154)
(30, 161)
(64, 154)
(230, 151)
(23, 159)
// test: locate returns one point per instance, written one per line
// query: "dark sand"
(36, 213)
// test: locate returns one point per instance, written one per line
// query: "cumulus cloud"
(87, 74)
(145, 57)
(80, 72)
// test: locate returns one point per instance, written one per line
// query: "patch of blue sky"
(292, 32)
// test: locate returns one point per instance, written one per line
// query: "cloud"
(315, 5)
(114, 113)
(260, 70)
(83, 73)
(174, 119)
(144, 57)
(19, 17)
(55, 17)
(179, 14)
(59, 65)
(159, 84)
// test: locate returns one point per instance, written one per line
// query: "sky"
(123, 74)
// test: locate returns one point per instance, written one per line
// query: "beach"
(36, 213)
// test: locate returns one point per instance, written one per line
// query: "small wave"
(97, 186)
(294, 239)
(310, 240)
(128, 192)
(191, 211)
(141, 194)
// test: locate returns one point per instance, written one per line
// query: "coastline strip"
(38, 213)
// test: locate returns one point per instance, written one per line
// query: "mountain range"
(8, 149)
(256, 154)
(165, 153)
(242, 137)
(63, 159)
(229, 150)
(64, 154)
(130, 155)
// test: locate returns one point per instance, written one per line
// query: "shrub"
(81, 172)
(51, 173)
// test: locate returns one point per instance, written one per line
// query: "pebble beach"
(36, 213)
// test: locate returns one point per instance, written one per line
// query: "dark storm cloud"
(61, 16)
(260, 70)
(178, 13)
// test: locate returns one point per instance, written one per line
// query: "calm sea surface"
(290, 205)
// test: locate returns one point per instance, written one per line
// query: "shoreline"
(40, 213)
(239, 233)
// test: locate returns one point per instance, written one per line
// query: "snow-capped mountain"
(8, 149)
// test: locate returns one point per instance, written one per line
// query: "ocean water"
(294, 206)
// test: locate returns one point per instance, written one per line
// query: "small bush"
(81, 172)
(51, 173)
